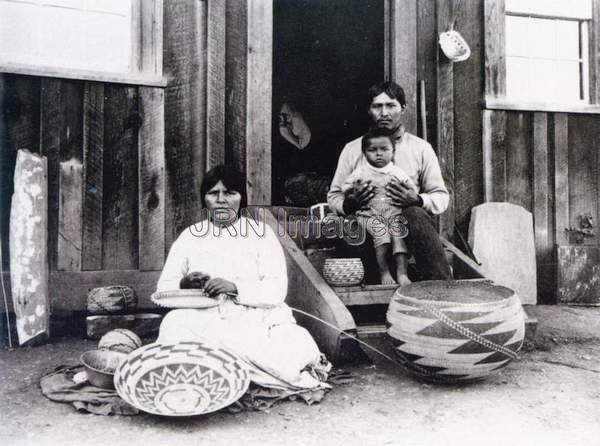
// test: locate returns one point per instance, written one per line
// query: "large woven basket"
(451, 331)
(189, 378)
(113, 299)
(343, 272)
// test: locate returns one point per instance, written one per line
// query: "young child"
(383, 221)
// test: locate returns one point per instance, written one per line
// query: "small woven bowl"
(343, 272)
(100, 366)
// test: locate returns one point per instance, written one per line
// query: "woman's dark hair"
(375, 132)
(231, 178)
(392, 89)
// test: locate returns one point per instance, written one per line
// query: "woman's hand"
(194, 280)
(401, 194)
(219, 286)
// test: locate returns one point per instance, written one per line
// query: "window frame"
(495, 65)
(146, 53)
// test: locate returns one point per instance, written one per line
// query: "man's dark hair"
(231, 178)
(391, 88)
(373, 133)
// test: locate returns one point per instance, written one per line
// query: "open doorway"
(326, 54)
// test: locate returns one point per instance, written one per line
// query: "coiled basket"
(343, 272)
(452, 331)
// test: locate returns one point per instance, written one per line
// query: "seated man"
(417, 158)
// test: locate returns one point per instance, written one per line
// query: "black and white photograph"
(300, 222)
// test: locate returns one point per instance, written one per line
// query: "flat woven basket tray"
(195, 298)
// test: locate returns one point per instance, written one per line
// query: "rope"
(370, 347)
(8, 328)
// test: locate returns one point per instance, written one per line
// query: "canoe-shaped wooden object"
(29, 247)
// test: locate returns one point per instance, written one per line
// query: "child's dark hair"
(373, 133)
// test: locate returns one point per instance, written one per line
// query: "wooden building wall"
(126, 161)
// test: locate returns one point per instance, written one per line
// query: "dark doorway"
(326, 54)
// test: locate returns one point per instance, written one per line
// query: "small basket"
(343, 272)
(188, 298)
(454, 46)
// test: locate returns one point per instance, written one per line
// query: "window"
(547, 51)
(113, 40)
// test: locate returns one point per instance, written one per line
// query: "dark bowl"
(100, 366)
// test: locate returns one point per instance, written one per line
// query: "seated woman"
(245, 270)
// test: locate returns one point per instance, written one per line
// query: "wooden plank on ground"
(541, 211)
(561, 178)
(28, 248)
(367, 295)
(151, 179)
(494, 48)
(69, 215)
(215, 80)
(120, 190)
(93, 173)
(403, 47)
(185, 113)
(236, 113)
(445, 110)
(259, 101)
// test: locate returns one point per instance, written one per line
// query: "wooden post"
(215, 80)
(494, 51)
(69, 215)
(249, 93)
(93, 173)
(403, 55)
(151, 176)
(445, 122)
(561, 178)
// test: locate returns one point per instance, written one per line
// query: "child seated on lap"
(383, 221)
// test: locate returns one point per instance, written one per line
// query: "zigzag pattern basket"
(189, 378)
(452, 331)
(343, 272)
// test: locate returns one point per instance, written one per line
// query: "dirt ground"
(550, 397)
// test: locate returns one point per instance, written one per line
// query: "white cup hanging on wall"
(454, 46)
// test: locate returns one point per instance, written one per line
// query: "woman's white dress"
(256, 325)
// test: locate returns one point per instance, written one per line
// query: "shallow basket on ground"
(452, 331)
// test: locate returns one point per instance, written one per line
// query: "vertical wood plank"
(69, 215)
(494, 155)
(584, 134)
(236, 88)
(445, 124)
(403, 47)
(427, 49)
(469, 85)
(151, 41)
(151, 180)
(387, 35)
(259, 101)
(120, 182)
(561, 178)
(19, 129)
(519, 163)
(185, 113)
(61, 138)
(541, 218)
(494, 48)
(486, 145)
(215, 79)
(93, 172)
(594, 53)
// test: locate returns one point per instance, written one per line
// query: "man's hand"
(358, 197)
(194, 280)
(401, 194)
(219, 286)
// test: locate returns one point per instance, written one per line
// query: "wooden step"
(370, 331)
(366, 294)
